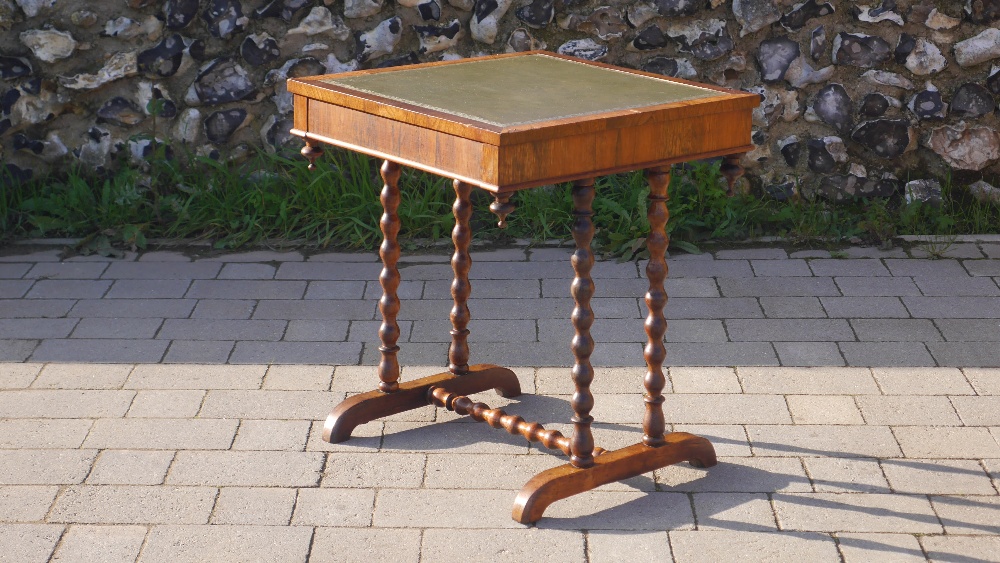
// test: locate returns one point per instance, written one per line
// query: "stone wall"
(856, 99)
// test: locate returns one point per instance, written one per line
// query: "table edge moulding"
(502, 150)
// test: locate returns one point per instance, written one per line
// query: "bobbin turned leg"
(653, 424)
(391, 397)
(582, 442)
(732, 170)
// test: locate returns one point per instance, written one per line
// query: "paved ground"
(164, 408)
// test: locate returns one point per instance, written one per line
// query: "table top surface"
(512, 91)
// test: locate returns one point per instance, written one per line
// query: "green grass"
(274, 197)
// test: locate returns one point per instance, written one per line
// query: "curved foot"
(366, 407)
(565, 481)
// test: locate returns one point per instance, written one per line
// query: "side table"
(506, 123)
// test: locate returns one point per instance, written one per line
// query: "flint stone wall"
(856, 98)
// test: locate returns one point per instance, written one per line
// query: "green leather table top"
(520, 90)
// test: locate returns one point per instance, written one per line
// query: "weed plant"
(269, 197)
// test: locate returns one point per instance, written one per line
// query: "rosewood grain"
(461, 262)
(388, 305)
(653, 424)
(583, 317)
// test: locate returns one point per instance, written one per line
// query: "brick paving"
(166, 407)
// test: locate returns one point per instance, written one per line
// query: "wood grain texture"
(388, 305)
(653, 424)
(568, 480)
(582, 289)
(461, 288)
(732, 170)
(365, 407)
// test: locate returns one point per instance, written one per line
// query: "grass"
(274, 196)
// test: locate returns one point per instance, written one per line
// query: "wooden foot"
(410, 395)
(566, 480)
(732, 170)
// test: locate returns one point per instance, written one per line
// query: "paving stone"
(528, 288)
(286, 309)
(789, 330)
(68, 270)
(437, 354)
(45, 467)
(710, 269)
(450, 437)
(25, 503)
(354, 290)
(511, 546)
(752, 254)
(961, 548)
(865, 307)
(631, 330)
(986, 381)
(953, 307)
(365, 331)
(945, 248)
(733, 511)
(134, 308)
(717, 546)
(777, 287)
(846, 475)
(876, 286)
(64, 403)
(957, 287)
(381, 470)
(723, 409)
(852, 512)
(824, 409)
(780, 268)
(848, 268)
(13, 289)
(99, 350)
(508, 472)
(978, 411)
(961, 354)
(284, 435)
(223, 309)
(737, 475)
(196, 377)
(28, 253)
(509, 309)
(36, 328)
(729, 440)
(298, 378)
(704, 380)
(410, 290)
(341, 508)
(247, 469)
(163, 256)
(283, 405)
(13, 270)
(792, 308)
(127, 328)
(937, 477)
(822, 440)
(29, 543)
(226, 544)
(345, 257)
(506, 331)
(620, 510)
(45, 308)
(926, 268)
(946, 442)
(808, 354)
(255, 506)
(82, 376)
(219, 329)
(982, 267)
(17, 350)
(257, 256)
(18, 376)
(921, 381)
(110, 544)
(127, 256)
(712, 308)
(246, 289)
(808, 381)
(675, 287)
(199, 351)
(247, 272)
(162, 270)
(968, 514)
(970, 330)
(897, 548)
(130, 467)
(27, 433)
(315, 270)
(809, 253)
(895, 330)
(162, 434)
(721, 353)
(887, 353)
(68, 289)
(908, 410)
(365, 438)
(148, 289)
(526, 354)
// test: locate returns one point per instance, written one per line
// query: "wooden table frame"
(502, 160)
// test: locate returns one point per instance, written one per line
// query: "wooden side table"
(506, 123)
